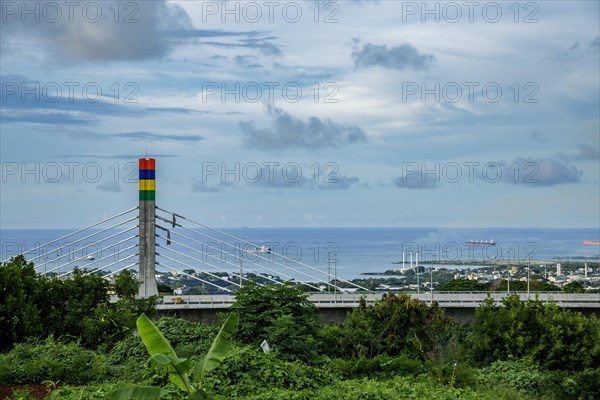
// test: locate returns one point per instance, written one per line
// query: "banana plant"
(179, 369)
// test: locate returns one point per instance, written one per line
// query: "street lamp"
(431, 281)
(528, 262)
(508, 274)
(329, 272)
(417, 269)
(241, 268)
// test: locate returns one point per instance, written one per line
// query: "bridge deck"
(351, 300)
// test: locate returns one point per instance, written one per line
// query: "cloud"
(577, 52)
(341, 182)
(247, 62)
(417, 181)
(540, 172)
(202, 187)
(400, 57)
(584, 152)
(118, 156)
(290, 132)
(537, 137)
(110, 187)
(261, 44)
(160, 137)
(103, 31)
(29, 101)
(594, 47)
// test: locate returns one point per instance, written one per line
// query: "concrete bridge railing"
(352, 300)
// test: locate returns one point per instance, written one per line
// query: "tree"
(33, 306)
(573, 287)
(393, 325)
(556, 338)
(20, 315)
(279, 314)
(465, 285)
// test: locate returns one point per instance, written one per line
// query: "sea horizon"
(351, 250)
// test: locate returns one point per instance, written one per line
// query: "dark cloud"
(539, 172)
(536, 137)
(594, 47)
(577, 52)
(290, 132)
(261, 44)
(110, 187)
(208, 33)
(341, 182)
(161, 137)
(247, 62)
(202, 187)
(52, 118)
(52, 103)
(417, 180)
(137, 32)
(117, 156)
(584, 152)
(400, 57)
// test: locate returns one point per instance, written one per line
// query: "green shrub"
(380, 366)
(521, 375)
(368, 389)
(247, 370)
(280, 314)
(31, 363)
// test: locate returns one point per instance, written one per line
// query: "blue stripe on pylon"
(147, 174)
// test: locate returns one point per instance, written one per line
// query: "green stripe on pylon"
(147, 195)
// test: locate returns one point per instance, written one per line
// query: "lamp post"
(431, 281)
(508, 274)
(241, 267)
(417, 270)
(335, 278)
(528, 262)
(328, 272)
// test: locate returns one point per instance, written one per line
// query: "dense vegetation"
(395, 348)
(32, 306)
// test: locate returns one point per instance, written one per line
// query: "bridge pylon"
(147, 230)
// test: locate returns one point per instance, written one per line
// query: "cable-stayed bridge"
(153, 239)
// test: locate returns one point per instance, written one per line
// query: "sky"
(302, 113)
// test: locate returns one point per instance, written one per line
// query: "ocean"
(311, 252)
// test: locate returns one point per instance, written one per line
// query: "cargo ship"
(480, 243)
(590, 242)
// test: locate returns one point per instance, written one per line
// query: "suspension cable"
(110, 265)
(84, 238)
(255, 245)
(91, 244)
(119, 270)
(99, 269)
(217, 258)
(197, 269)
(238, 257)
(205, 262)
(78, 231)
(193, 277)
(262, 258)
(100, 259)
